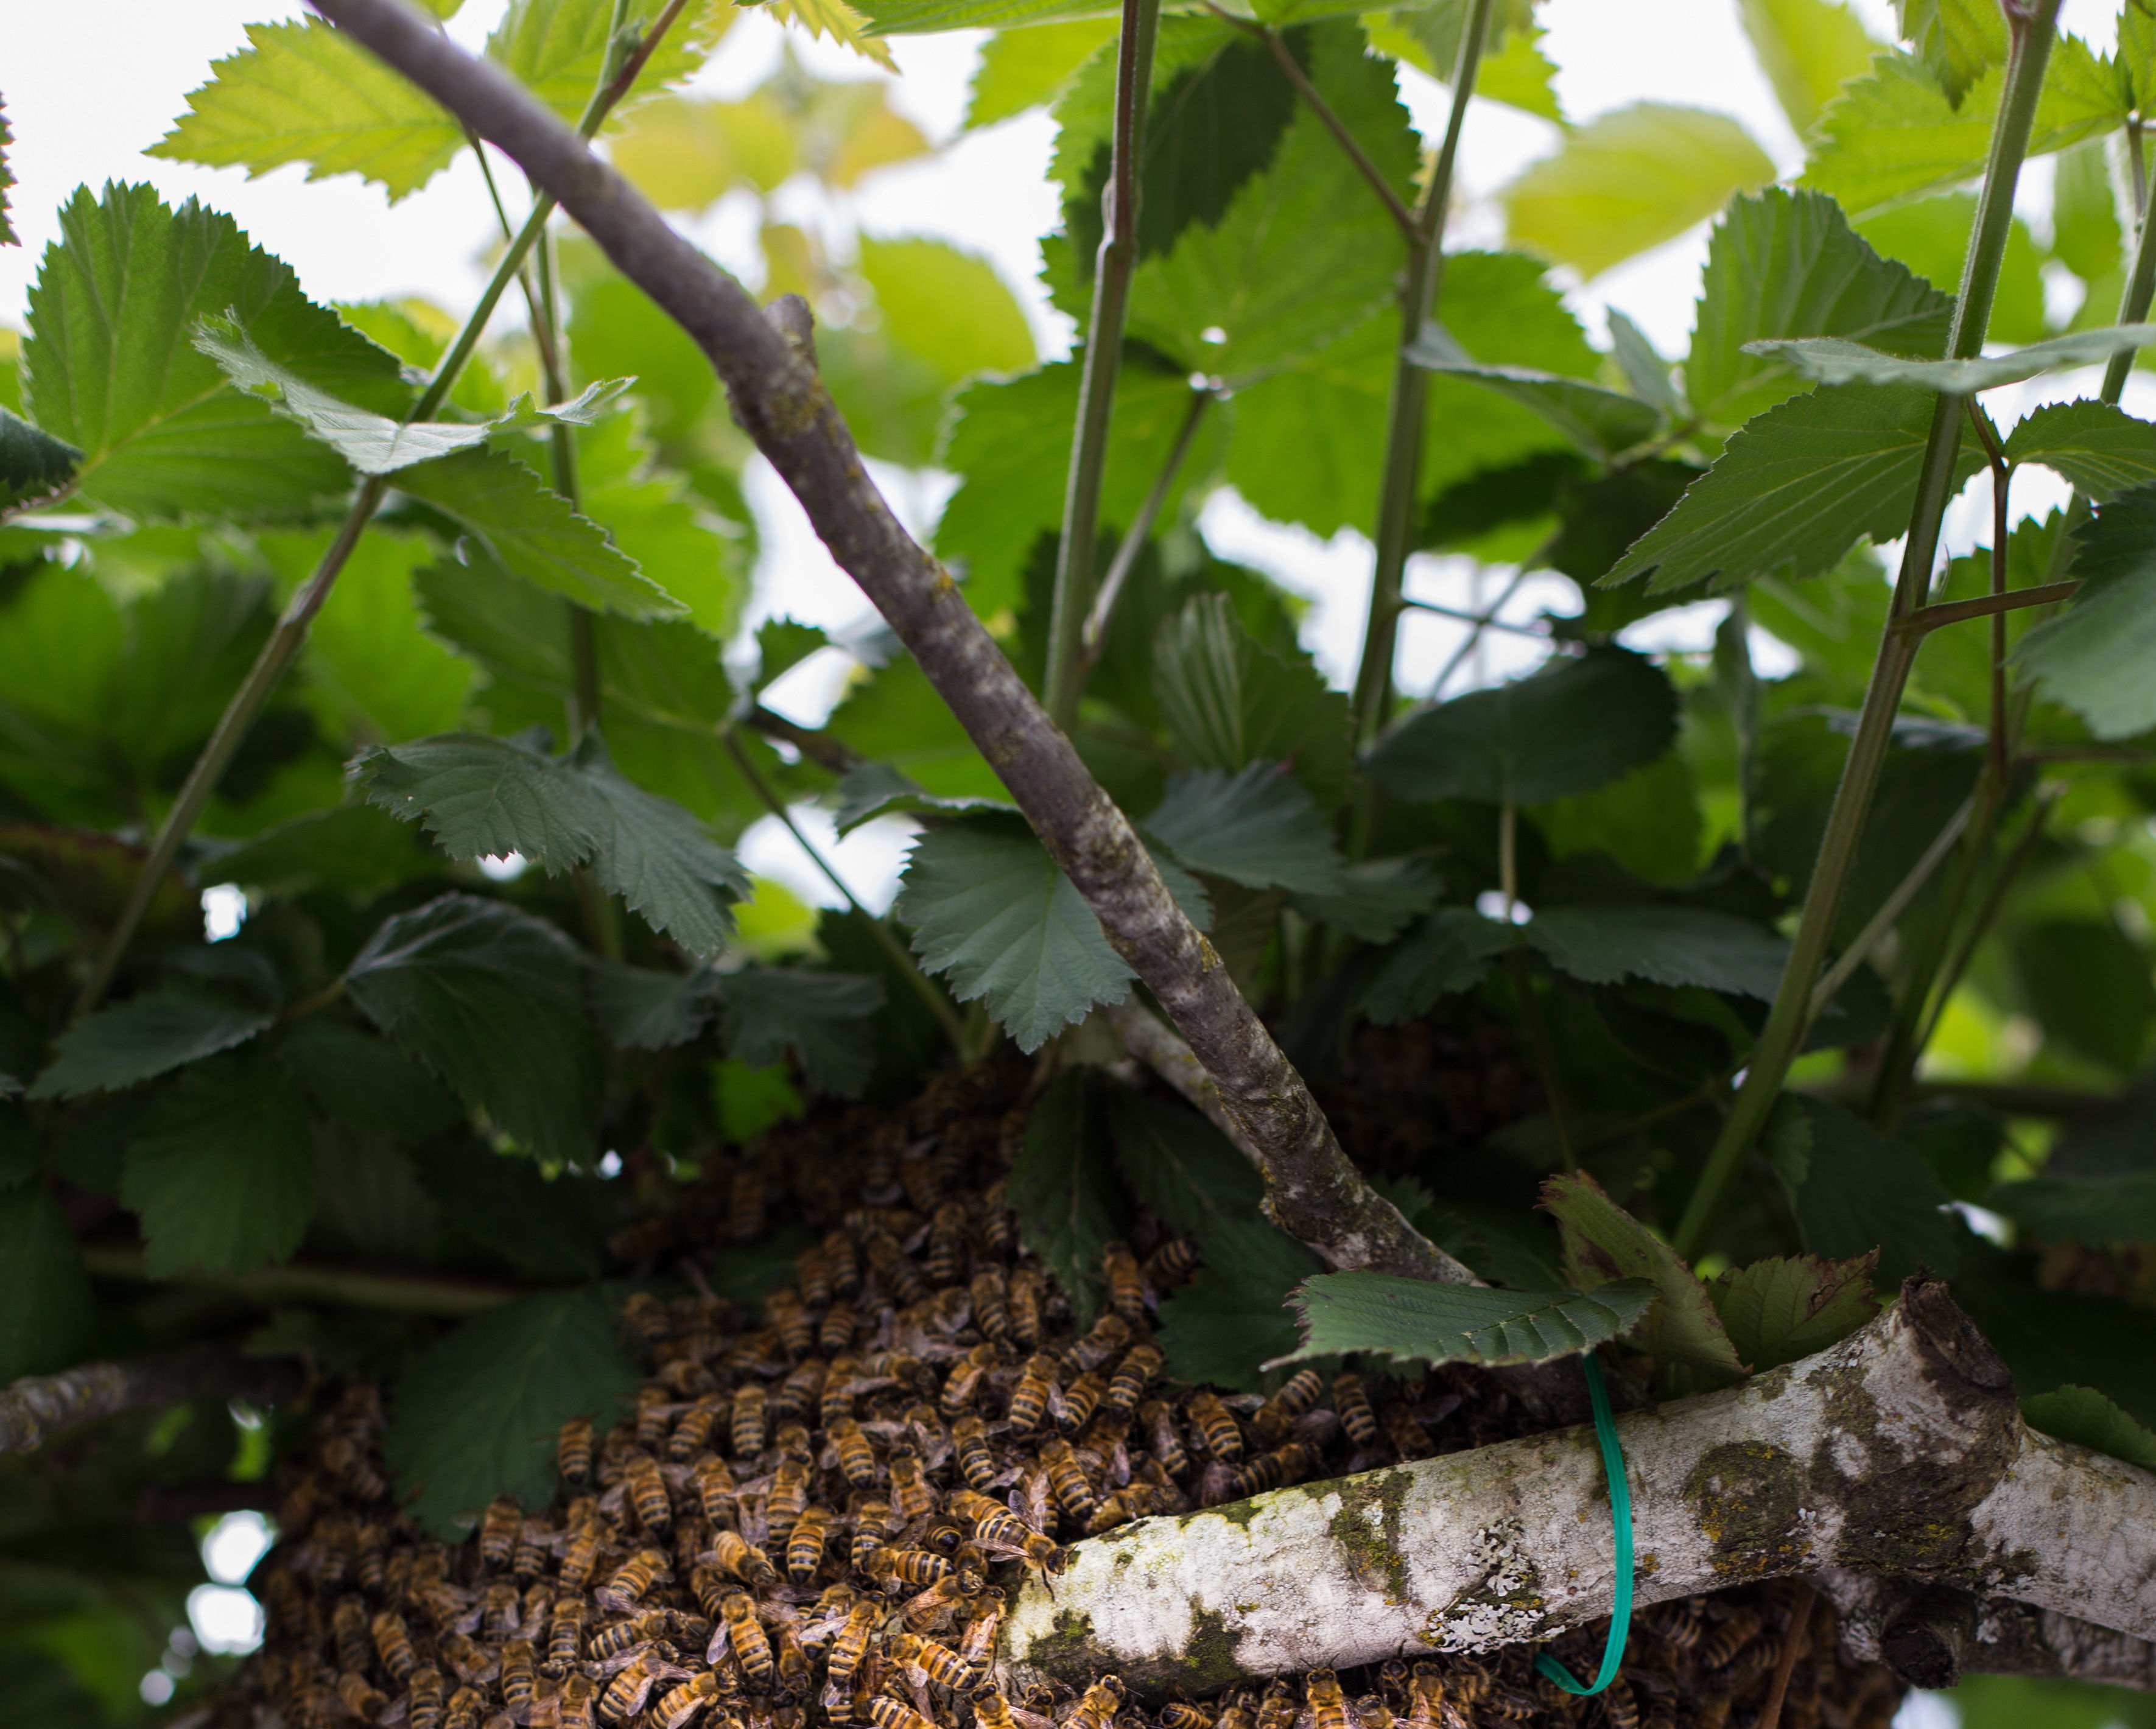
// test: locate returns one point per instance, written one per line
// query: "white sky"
(89, 83)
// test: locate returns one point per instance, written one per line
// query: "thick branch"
(1900, 1451)
(33, 1408)
(1311, 1190)
(1940, 1635)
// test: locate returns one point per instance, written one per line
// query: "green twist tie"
(1620, 1520)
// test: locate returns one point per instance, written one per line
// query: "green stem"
(1404, 429)
(1104, 353)
(1784, 1032)
(416, 1292)
(1096, 635)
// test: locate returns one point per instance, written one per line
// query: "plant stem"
(939, 1005)
(1890, 909)
(1784, 1032)
(1140, 531)
(1538, 1037)
(1404, 430)
(424, 1291)
(2002, 480)
(1481, 621)
(1926, 619)
(1112, 269)
(291, 633)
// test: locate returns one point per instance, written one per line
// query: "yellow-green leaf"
(947, 307)
(1808, 50)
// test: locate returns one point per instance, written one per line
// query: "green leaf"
(1257, 828)
(917, 18)
(2085, 1417)
(1577, 723)
(221, 1170)
(147, 1035)
(2095, 656)
(1628, 180)
(874, 789)
(1419, 1320)
(1448, 953)
(2113, 1207)
(476, 1414)
(1786, 263)
(352, 848)
(660, 859)
(1603, 1242)
(1063, 1188)
(306, 93)
(491, 999)
(33, 464)
(536, 533)
(1808, 50)
(1024, 68)
(1648, 821)
(1664, 945)
(1601, 423)
(2099, 448)
(1228, 702)
(1834, 360)
(543, 1229)
(1959, 40)
(646, 1009)
(1931, 237)
(2088, 984)
(46, 1308)
(110, 368)
(2084, 234)
(1378, 898)
(1233, 1318)
(366, 1083)
(1794, 488)
(1860, 1191)
(558, 47)
(824, 1018)
(1179, 1165)
(1785, 1308)
(948, 307)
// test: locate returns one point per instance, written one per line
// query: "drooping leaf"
(110, 368)
(46, 1308)
(33, 464)
(144, 1037)
(660, 859)
(543, 1229)
(1577, 725)
(221, 1170)
(534, 533)
(1786, 263)
(1836, 360)
(1808, 50)
(2099, 447)
(2094, 657)
(1785, 1308)
(1179, 1165)
(306, 93)
(1257, 828)
(1603, 423)
(476, 1414)
(353, 847)
(1233, 1318)
(1603, 1242)
(1860, 1193)
(1419, 1320)
(1449, 953)
(1628, 180)
(644, 1008)
(1378, 898)
(491, 999)
(1793, 490)
(1063, 1188)
(366, 1083)
(875, 788)
(1665, 945)
(824, 1018)
(2086, 1418)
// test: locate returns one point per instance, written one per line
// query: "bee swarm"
(802, 1521)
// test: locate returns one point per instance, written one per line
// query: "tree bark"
(1312, 1190)
(1899, 1452)
(1992, 1636)
(33, 1409)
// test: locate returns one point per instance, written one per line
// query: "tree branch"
(1313, 1192)
(1926, 619)
(33, 1408)
(420, 1291)
(1939, 1481)
(1932, 1635)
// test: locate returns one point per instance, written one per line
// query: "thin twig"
(1890, 909)
(1926, 619)
(1486, 621)
(36, 1406)
(2002, 479)
(425, 1290)
(820, 748)
(1139, 532)
(1792, 1644)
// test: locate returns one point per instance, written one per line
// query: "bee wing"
(606, 1668)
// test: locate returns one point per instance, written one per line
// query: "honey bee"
(1216, 1427)
(1679, 1624)
(745, 1635)
(900, 1276)
(565, 1635)
(931, 1607)
(1079, 1400)
(1375, 1713)
(1022, 1303)
(793, 1667)
(812, 1273)
(744, 1560)
(1031, 1398)
(714, 1484)
(1425, 1697)
(1298, 1394)
(885, 1712)
(1097, 1706)
(1119, 1270)
(465, 1704)
(1719, 1648)
(647, 1318)
(348, 1627)
(745, 1205)
(947, 1243)
(392, 1641)
(500, 1612)
(627, 1691)
(1169, 1266)
(1235, 1713)
(983, 1622)
(1277, 1709)
(841, 1263)
(1067, 1479)
(748, 1422)
(529, 1558)
(938, 1662)
(962, 1387)
(1619, 1706)
(1157, 1419)
(692, 1433)
(654, 1412)
(1352, 1402)
(909, 1566)
(1290, 1464)
(369, 1564)
(910, 1495)
(851, 1641)
(675, 1708)
(1181, 1714)
(647, 1493)
(520, 1675)
(990, 1314)
(803, 1389)
(1127, 1385)
(1328, 1705)
(835, 1332)
(635, 1577)
(872, 1523)
(1108, 1335)
(580, 1555)
(1005, 1533)
(976, 1460)
(426, 1697)
(573, 1704)
(804, 1548)
(788, 1494)
(344, 1456)
(1409, 1439)
(361, 1700)
(497, 1531)
(1135, 1501)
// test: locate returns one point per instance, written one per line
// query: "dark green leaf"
(1257, 828)
(45, 1304)
(1794, 488)
(1786, 263)
(874, 788)
(365, 1082)
(746, 1275)
(660, 859)
(1837, 360)
(1449, 953)
(33, 464)
(1233, 1318)
(2100, 447)
(368, 1200)
(221, 1170)
(352, 847)
(1577, 725)
(2118, 1207)
(1178, 1164)
(551, 1229)
(491, 999)
(1860, 1191)
(2085, 1417)
(2088, 983)
(646, 1009)
(783, 644)
(825, 1018)
(1603, 1242)
(1378, 898)
(1601, 423)
(476, 1414)
(1421, 1320)
(1063, 1188)
(1785, 1308)
(143, 1037)
(2054, 1338)
(2094, 657)
(1665, 945)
